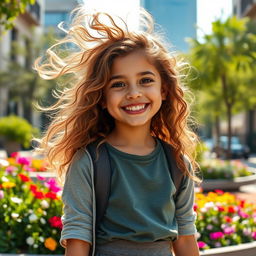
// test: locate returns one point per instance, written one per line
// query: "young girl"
(125, 93)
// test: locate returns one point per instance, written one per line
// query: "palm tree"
(221, 59)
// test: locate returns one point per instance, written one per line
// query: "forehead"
(136, 61)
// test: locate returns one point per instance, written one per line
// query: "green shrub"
(17, 129)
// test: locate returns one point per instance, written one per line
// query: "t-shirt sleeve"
(185, 214)
(77, 198)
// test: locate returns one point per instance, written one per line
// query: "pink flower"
(1, 194)
(243, 214)
(52, 185)
(201, 244)
(23, 161)
(216, 235)
(254, 235)
(40, 177)
(229, 230)
(10, 169)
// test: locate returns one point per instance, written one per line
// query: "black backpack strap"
(102, 177)
(176, 174)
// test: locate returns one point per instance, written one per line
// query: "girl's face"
(134, 93)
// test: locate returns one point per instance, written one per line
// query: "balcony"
(33, 14)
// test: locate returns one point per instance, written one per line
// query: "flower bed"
(30, 214)
(29, 211)
(225, 175)
(224, 220)
(222, 169)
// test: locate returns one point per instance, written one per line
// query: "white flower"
(32, 217)
(4, 163)
(4, 179)
(5, 205)
(35, 246)
(44, 204)
(16, 200)
(235, 218)
(203, 209)
(42, 220)
(209, 205)
(245, 222)
(15, 215)
(29, 226)
(30, 240)
(54, 231)
(41, 239)
(198, 235)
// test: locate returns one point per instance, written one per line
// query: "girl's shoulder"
(81, 161)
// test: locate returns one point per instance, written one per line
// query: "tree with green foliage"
(10, 10)
(225, 61)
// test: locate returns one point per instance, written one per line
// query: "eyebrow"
(139, 74)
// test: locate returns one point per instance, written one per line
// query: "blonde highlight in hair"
(95, 40)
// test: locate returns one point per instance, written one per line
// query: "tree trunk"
(217, 135)
(229, 105)
(229, 117)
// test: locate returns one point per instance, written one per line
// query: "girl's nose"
(134, 92)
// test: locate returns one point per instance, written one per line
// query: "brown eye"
(118, 85)
(146, 80)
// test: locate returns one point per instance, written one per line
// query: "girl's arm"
(185, 246)
(77, 247)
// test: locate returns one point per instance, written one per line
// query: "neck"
(132, 139)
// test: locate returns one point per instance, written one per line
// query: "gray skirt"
(128, 248)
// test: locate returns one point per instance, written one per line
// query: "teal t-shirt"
(141, 206)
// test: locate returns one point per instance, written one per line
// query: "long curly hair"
(93, 41)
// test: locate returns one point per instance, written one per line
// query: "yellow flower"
(8, 184)
(50, 244)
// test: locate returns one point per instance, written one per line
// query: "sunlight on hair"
(127, 10)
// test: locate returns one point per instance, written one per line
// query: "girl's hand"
(76, 247)
(185, 246)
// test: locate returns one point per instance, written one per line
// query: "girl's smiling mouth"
(135, 108)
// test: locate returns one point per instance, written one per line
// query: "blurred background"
(216, 37)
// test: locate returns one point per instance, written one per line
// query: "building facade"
(57, 11)
(177, 19)
(26, 27)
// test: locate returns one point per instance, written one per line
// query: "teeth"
(135, 108)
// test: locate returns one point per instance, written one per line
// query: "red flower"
(56, 222)
(23, 177)
(219, 192)
(38, 194)
(228, 219)
(33, 188)
(221, 209)
(51, 195)
(242, 203)
(14, 154)
(231, 209)
(195, 207)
